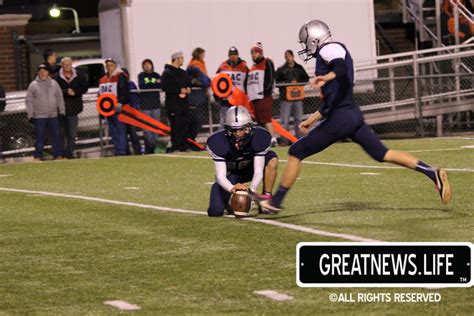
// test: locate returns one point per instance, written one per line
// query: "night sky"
(39, 8)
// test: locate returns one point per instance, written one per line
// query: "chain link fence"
(429, 95)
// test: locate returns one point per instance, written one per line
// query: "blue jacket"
(198, 97)
(149, 100)
(134, 96)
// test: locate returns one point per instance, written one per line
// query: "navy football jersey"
(338, 92)
(220, 148)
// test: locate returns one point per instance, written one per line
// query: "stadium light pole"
(55, 12)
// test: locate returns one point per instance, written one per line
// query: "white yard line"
(183, 211)
(274, 295)
(438, 149)
(334, 164)
(123, 306)
(308, 229)
(452, 137)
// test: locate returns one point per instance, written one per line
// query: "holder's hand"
(239, 187)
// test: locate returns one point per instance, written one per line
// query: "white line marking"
(5, 175)
(209, 183)
(452, 137)
(307, 229)
(429, 150)
(334, 164)
(370, 173)
(183, 211)
(468, 147)
(131, 188)
(274, 295)
(122, 305)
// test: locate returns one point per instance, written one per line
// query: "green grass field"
(61, 255)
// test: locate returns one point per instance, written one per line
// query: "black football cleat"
(442, 186)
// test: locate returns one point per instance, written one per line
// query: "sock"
(279, 196)
(429, 171)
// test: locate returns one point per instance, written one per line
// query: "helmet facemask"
(306, 53)
(239, 136)
(312, 35)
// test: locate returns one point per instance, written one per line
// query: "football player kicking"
(339, 117)
(241, 153)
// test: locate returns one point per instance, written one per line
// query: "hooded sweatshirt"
(44, 99)
(172, 81)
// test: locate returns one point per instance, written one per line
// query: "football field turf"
(67, 254)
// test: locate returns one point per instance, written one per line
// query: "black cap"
(147, 60)
(111, 60)
(42, 66)
(233, 51)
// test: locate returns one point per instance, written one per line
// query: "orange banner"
(223, 87)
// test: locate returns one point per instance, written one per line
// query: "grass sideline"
(65, 256)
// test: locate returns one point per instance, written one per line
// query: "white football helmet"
(238, 119)
(313, 34)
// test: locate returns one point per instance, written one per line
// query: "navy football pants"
(346, 122)
(220, 197)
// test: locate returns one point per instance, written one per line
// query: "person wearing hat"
(116, 83)
(150, 101)
(260, 82)
(237, 70)
(176, 83)
(44, 102)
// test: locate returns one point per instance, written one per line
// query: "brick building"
(11, 25)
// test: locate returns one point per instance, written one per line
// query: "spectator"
(176, 83)
(291, 96)
(2, 123)
(237, 69)
(199, 97)
(132, 130)
(44, 101)
(260, 82)
(73, 86)
(116, 82)
(150, 102)
(466, 28)
(50, 60)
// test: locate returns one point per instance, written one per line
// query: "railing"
(407, 94)
(416, 11)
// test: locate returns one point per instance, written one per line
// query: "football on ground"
(240, 203)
